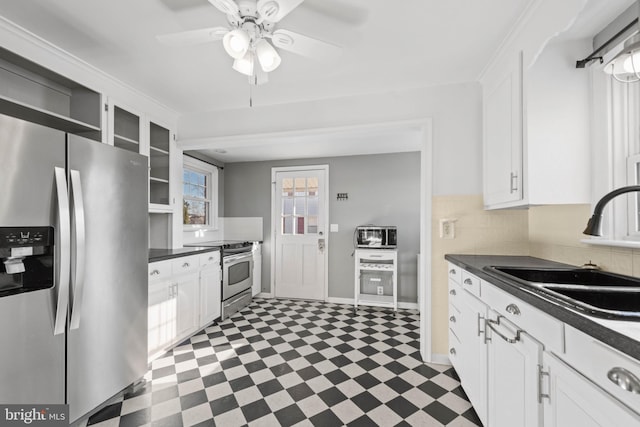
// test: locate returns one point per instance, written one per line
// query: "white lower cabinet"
(573, 400)
(473, 355)
(162, 315)
(522, 367)
(513, 363)
(184, 296)
(210, 287)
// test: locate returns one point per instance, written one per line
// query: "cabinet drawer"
(454, 320)
(159, 271)
(454, 294)
(210, 258)
(543, 327)
(454, 349)
(471, 283)
(185, 264)
(604, 366)
(455, 273)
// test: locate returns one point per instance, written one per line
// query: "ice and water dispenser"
(26, 259)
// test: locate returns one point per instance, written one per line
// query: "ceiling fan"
(251, 26)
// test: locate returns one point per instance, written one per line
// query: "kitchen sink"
(592, 292)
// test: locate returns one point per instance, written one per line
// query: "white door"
(300, 218)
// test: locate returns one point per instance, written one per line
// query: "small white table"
(376, 278)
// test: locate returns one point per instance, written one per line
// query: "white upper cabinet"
(502, 100)
(536, 114)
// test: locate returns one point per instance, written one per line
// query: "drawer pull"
(496, 322)
(210, 258)
(624, 379)
(452, 292)
(452, 319)
(185, 265)
(452, 271)
(154, 273)
(452, 351)
(513, 309)
(468, 281)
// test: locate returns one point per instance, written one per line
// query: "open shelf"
(34, 93)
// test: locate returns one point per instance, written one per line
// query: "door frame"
(274, 209)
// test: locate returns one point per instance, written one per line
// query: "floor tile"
(302, 363)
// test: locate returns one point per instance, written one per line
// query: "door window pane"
(287, 206)
(300, 225)
(287, 187)
(287, 225)
(300, 205)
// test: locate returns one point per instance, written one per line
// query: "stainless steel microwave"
(376, 236)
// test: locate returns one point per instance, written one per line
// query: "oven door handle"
(234, 258)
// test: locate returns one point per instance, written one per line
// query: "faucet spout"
(594, 226)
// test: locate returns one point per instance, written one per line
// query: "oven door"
(237, 274)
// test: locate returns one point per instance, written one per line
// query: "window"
(199, 195)
(619, 103)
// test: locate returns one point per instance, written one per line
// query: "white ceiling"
(387, 45)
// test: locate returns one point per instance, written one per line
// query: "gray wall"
(383, 189)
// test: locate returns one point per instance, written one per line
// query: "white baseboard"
(263, 295)
(440, 359)
(349, 301)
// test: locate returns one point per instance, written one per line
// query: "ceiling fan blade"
(303, 45)
(228, 7)
(339, 10)
(187, 38)
(275, 10)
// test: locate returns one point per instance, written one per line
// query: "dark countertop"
(164, 254)
(475, 263)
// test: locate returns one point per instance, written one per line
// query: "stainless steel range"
(237, 274)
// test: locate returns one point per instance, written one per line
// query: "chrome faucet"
(594, 226)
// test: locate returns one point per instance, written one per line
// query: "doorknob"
(321, 245)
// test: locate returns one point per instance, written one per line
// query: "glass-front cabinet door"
(159, 168)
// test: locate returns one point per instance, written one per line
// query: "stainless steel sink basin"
(596, 293)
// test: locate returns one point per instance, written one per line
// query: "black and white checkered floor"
(285, 363)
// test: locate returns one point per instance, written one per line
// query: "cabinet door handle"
(154, 273)
(513, 309)
(514, 182)
(480, 320)
(514, 340)
(468, 281)
(452, 319)
(210, 258)
(452, 351)
(452, 271)
(185, 265)
(452, 292)
(624, 379)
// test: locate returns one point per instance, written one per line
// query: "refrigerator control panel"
(11, 237)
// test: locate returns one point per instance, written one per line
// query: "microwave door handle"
(77, 279)
(64, 251)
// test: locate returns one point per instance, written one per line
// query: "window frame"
(211, 173)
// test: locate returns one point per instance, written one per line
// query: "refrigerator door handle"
(77, 276)
(64, 228)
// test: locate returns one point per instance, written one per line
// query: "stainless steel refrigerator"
(80, 337)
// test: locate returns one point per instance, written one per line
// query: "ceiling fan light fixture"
(625, 66)
(236, 43)
(267, 56)
(245, 64)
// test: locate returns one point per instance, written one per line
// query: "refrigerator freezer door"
(31, 356)
(108, 350)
